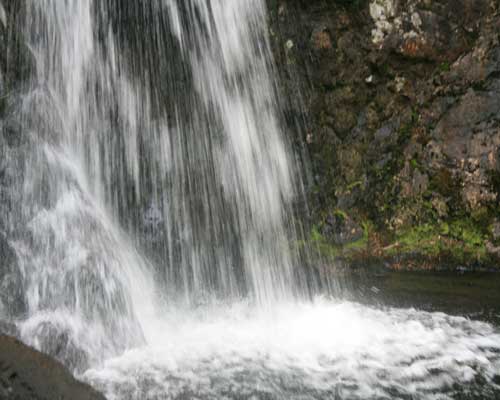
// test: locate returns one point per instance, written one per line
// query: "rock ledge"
(26, 374)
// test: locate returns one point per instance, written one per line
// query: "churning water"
(320, 350)
(156, 205)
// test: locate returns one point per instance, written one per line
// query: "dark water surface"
(475, 295)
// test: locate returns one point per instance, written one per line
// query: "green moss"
(319, 242)
(340, 214)
(362, 243)
(444, 66)
(405, 133)
(316, 236)
(416, 164)
(461, 239)
(481, 216)
(470, 236)
(353, 185)
(332, 251)
(421, 239)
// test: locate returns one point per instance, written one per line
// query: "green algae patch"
(460, 240)
(424, 246)
(350, 250)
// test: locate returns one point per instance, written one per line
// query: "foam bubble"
(307, 351)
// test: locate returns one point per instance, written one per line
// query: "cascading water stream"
(81, 274)
(200, 170)
(155, 210)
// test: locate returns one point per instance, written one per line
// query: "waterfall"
(156, 169)
(81, 274)
(151, 213)
(246, 182)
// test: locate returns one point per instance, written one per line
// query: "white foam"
(296, 351)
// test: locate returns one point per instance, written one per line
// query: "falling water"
(155, 239)
(82, 277)
(200, 166)
(139, 187)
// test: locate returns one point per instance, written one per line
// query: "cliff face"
(400, 100)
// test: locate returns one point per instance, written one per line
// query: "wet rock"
(493, 250)
(495, 230)
(344, 120)
(410, 92)
(321, 39)
(26, 374)
(383, 13)
(9, 329)
(11, 285)
(469, 139)
(342, 229)
(425, 30)
(60, 345)
(439, 204)
(420, 182)
(383, 133)
(458, 125)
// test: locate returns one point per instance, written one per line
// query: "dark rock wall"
(400, 108)
(26, 374)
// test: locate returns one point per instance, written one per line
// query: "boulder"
(26, 374)
(342, 229)
(7, 328)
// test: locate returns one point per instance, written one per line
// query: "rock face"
(399, 102)
(26, 374)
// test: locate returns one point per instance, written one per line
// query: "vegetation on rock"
(400, 105)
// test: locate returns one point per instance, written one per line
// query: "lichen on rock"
(382, 13)
(402, 123)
